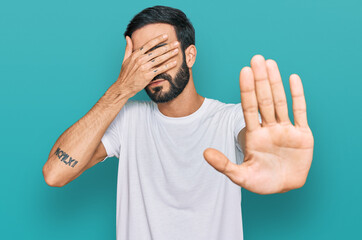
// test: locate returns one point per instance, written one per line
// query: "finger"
(161, 50)
(138, 56)
(129, 48)
(148, 59)
(221, 163)
(248, 99)
(160, 69)
(150, 44)
(141, 55)
(280, 100)
(157, 46)
(263, 90)
(161, 59)
(299, 105)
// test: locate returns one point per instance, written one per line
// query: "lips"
(156, 81)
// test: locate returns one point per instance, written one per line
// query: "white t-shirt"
(166, 190)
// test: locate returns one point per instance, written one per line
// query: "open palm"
(277, 155)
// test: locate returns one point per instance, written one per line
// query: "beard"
(177, 85)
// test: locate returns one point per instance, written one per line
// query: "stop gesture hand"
(277, 154)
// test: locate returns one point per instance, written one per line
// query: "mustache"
(163, 76)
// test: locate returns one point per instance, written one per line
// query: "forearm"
(74, 149)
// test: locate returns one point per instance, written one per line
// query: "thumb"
(129, 48)
(222, 164)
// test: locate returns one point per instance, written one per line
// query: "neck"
(188, 102)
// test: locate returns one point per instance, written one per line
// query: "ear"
(190, 54)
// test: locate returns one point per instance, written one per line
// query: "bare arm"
(75, 149)
(80, 146)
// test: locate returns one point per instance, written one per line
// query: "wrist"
(115, 98)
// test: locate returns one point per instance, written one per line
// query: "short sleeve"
(239, 122)
(111, 138)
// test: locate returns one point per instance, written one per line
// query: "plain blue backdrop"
(57, 58)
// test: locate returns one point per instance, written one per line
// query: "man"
(166, 189)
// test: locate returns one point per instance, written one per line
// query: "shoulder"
(134, 105)
(134, 108)
(138, 108)
(224, 108)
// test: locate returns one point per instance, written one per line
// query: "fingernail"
(164, 36)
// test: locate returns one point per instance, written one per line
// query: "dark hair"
(185, 32)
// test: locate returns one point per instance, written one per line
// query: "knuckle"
(280, 102)
(133, 57)
(143, 67)
(251, 109)
(261, 79)
(134, 61)
(296, 96)
(167, 65)
(276, 83)
(139, 61)
(155, 60)
(266, 101)
(299, 110)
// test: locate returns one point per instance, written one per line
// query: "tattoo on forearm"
(63, 156)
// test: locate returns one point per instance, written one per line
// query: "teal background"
(57, 58)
